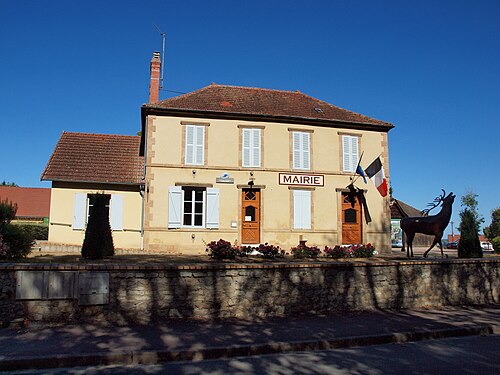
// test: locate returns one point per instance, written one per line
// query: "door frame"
(341, 218)
(258, 220)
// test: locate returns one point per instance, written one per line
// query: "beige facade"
(69, 210)
(221, 169)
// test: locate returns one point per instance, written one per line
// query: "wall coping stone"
(229, 266)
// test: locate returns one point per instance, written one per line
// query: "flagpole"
(354, 177)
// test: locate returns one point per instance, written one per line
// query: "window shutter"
(200, 145)
(296, 150)
(212, 221)
(80, 211)
(354, 153)
(255, 147)
(116, 212)
(189, 144)
(301, 209)
(174, 206)
(246, 148)
(306, 151)
(250, 148)
(346, 153)
(301, 150)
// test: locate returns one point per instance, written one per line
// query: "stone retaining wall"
(147, 293)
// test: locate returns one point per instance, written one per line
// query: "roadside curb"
(159, 356)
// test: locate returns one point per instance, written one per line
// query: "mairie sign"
(301, 179)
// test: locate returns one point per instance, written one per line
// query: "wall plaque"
(301, 179)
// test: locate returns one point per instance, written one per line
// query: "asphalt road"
(457, 356)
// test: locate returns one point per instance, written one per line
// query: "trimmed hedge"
(37, 232)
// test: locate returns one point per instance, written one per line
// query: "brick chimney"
(154, 84)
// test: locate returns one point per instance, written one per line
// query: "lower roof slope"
(103, 158)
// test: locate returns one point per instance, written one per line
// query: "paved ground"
(457, 356)
(90, 345)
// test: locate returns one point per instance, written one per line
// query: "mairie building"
(248, 165)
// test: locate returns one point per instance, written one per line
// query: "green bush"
(496, 244)
(38, 232)
(14, 243)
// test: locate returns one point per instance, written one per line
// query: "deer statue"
(431, 225)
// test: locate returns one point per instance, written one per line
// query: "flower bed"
(350, 251)
(222, 249)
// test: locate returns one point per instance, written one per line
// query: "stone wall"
(147, 293)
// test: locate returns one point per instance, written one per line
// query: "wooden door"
(351, 221)
(250, 216)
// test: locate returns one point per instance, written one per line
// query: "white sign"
(301, 179)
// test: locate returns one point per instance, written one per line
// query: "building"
(400, 210)
(83, 165)
(248, 165)
(33, 204)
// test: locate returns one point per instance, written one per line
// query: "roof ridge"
(213, 84)
(101, 134)
(255, 88)
(22, 187)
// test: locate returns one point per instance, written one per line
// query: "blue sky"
(429, 67)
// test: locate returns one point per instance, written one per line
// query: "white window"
(84, 202)
(350, 151)
(301, 209)
(193, 207)
(301, 150)
(195, 145)
(251, 147)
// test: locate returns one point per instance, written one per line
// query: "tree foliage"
(14, 242)
(469, 245)
(98, 242)
(493, 230)
(469, 201)
(6, 183)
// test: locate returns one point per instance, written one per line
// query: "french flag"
(375, 172)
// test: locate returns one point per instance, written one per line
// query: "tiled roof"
(400, 209)
(263, 102)
(31, 202)
(103, 158)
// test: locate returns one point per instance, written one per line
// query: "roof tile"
(263, 102)
(104, 158)
(31, 202)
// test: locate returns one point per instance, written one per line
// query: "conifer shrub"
(469, 245)
(98, 242)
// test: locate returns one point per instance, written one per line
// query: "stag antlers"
(436, 203)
